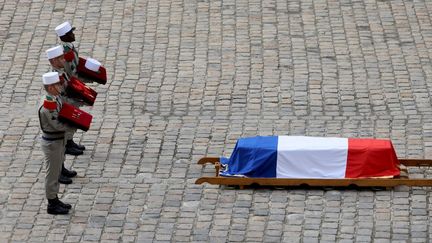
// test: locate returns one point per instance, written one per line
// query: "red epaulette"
(69, 56)
(62, 79)
(50, 104)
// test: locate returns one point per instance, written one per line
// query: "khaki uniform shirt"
(67, 46)
(50, 125)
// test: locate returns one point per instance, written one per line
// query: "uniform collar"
(68, 44)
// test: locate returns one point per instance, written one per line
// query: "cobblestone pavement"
(186, 79)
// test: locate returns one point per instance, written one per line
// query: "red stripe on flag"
(371, 158)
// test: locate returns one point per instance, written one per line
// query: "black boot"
(54, 207)
(73, 151)
(64, 180)
(68, 173)
(65, 205)
(71, 143)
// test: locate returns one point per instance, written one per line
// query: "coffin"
(77, 89)
(99, 76)
(311, 157)
(75, 117)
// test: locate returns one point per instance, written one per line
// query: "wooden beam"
(206, 160)
(416, 162)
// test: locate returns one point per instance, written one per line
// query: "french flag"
(311, 157)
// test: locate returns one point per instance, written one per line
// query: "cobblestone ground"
(186, 79)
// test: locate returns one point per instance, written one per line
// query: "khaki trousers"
(70, 133)
(54, 158)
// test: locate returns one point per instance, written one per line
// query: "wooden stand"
(373, 182)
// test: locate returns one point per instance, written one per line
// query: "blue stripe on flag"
(253, 157)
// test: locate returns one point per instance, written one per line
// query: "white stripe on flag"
(311, 157)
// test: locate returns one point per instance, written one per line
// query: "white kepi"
(64, 28)
(54, 52)
(50, 78)
(92, 64)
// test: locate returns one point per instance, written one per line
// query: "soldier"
(56, 59)
(66, 35)
(53, 142)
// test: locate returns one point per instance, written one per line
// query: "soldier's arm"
(51, 119)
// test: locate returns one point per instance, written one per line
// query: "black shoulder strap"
(40, 120)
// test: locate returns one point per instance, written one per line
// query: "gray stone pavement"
(186, 79)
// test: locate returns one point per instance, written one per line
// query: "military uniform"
(72, 63)
(53, 143)
(72, 60)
